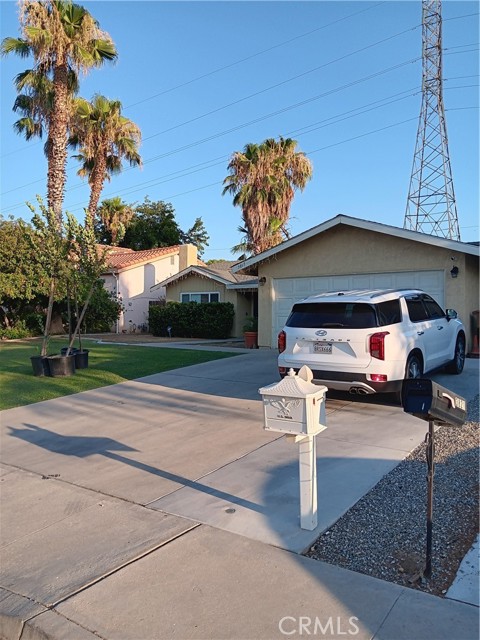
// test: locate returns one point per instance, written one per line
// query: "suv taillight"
(377, 345)
(282, 341)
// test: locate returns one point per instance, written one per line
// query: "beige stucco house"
(131, 275)
(214, 283)
(349, 253)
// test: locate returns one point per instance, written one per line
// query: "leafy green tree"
(20, 277)
(87, 264)
(263, 179)
(196, 235)
(152, 226)
(104, 138)
(62, 37)
(51, 251)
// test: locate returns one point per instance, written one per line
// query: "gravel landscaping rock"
(384, 534)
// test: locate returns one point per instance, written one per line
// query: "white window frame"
(200, 293)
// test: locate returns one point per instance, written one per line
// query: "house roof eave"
(185, 272)
(250, 265)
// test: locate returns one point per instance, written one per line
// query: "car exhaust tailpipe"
(361, 391)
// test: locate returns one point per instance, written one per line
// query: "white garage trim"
(287, 291)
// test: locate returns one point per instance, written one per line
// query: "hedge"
(192, 319)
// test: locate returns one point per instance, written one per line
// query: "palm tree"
(263, 180)
(105, 138)
(276, 232)
(62, 37)
(115, 216)
(36, 104)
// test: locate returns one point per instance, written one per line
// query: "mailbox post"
(295, 406)
(429, 401)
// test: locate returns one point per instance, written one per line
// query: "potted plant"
(40, 365)
(250, 333)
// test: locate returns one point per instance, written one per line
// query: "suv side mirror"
(451, 314)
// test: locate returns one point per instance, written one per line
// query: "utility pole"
(431, 206)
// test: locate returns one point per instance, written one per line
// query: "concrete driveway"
(95, 483)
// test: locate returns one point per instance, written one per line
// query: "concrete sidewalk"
(159, 508)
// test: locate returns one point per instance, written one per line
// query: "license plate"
(322, 347)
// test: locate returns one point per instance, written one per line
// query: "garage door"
(286, 291)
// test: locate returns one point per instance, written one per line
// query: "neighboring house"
(214, 283)
(349, 253)
(130, 276)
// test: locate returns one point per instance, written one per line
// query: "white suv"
(369, 341)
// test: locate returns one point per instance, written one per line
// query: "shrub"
(192, 320)
(35, 321)
(102, 312)
(18, 330)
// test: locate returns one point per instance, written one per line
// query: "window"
(416, 310)
(333, 314)
(389, 313)
(435, 311)
(200, 297)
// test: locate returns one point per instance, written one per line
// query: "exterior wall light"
(454, 272)
(262, 281)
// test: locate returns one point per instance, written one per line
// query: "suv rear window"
(348, 315)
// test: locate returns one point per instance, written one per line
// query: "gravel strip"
(384, 533)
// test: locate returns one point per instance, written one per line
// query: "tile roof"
(120, 258)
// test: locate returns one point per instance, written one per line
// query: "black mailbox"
(430, 401)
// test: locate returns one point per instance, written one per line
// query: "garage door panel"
(340, 282)
(383, 281)
(287, 291)
(284, 287)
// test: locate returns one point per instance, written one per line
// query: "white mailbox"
(295, 405)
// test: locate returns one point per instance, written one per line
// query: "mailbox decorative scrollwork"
(284, 406)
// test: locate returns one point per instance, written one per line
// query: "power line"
(214, 71)
(283, 82)
(298, 132)
(253, 55)
(278, 112)
(308, 153)
(368, 133)
(254, 121)
(235, 63)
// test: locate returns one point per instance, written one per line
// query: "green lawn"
(108, 364)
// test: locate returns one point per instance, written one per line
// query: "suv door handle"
(420, 333)
(440, 328)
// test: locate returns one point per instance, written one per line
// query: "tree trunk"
(57, 159)
(80, 319)
(48, 321)
(96, 181)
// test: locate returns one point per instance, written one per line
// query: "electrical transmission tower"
(431, 206)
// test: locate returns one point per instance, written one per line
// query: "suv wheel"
(458, 362)
(414, 368)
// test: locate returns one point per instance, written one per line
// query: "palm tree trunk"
(58, 142)
(96, 181)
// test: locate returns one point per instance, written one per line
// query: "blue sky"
(202, 79)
